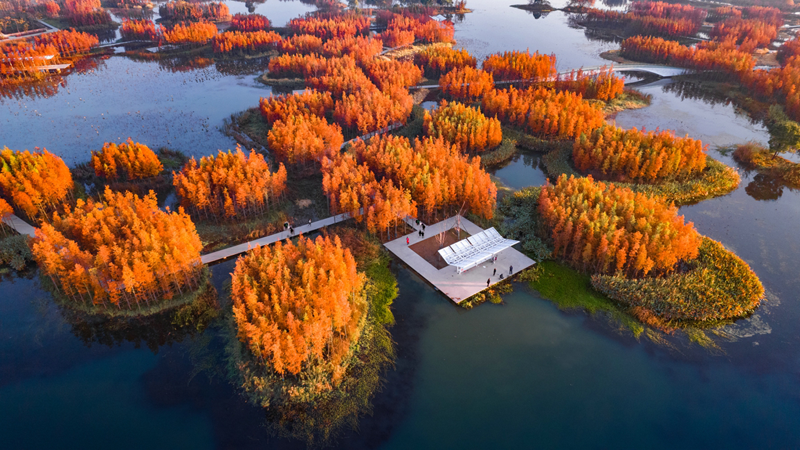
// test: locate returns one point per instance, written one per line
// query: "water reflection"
(764, 187)
(523, 170)
(162, 329)
(185, 64)
(692, 89)
(47, 87)
(242, 66)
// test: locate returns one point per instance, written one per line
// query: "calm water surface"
(519, 375)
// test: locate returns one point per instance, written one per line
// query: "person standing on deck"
(510, 270)
(494, 272)
(408, 241)
(489, 281)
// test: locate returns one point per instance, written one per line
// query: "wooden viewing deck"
(457, 287)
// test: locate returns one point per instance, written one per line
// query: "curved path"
(656, 69)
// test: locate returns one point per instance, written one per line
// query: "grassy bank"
(716, 180)
(767, 162)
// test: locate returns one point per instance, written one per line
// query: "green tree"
(784, 132)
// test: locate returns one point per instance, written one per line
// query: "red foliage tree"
(191, 33)
(369, 110)
(244, 41)
(438, 177)
(140, 30)
(181, 11)
(249, 22)
(328, 28)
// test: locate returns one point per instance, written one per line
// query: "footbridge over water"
(655, 69)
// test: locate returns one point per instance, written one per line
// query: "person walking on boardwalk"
(488, 282)
(510, 270)
(408, 241)
(494, 272)
(309, 223)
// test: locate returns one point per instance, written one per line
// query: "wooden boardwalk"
(19, 225)
(457, 287)
(226, 253)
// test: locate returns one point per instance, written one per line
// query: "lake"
(523, 374)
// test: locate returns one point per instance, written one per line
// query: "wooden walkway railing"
(226, 253)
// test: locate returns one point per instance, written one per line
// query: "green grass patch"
(502, 153)
(569, 290)
(629, 99)
(14, 250)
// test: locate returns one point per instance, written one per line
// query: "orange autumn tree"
(464, 126)
(600, 85)
(128, 160)
(352, 188)
(296, 66)
(438, 176)
(601, 228)
(386, 73)
(369, 109)
(303, 140)
(274, 108)
(301, 44)
(544, 112)
(140, 30)
(191, 33)
(5, 212)
(359, 47)
(466, 83)
(612, 153)
(329, 28)
(120, 251)
(35, 183)
(244, 41)
(440, 60)
(340, 76)
(394, 38)
(299, 309)
(517, 65)
(249, 22)
(229, 185)
(68, 42)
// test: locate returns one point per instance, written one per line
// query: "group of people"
(494, 272)
(420, 232)
(288, 226)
